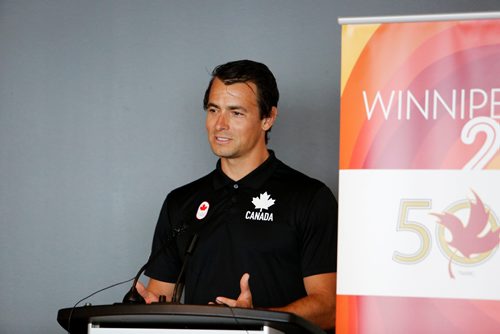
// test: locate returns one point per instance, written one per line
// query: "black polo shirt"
(276, 223)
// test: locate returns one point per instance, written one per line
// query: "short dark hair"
(242, 71)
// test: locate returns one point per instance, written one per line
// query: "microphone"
(133, 296)
(179, 284)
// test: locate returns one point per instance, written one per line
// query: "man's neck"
(238, 168)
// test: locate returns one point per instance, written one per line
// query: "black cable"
(92, 294)
(236, 319)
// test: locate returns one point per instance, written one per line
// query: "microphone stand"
(179, 284)
(133, 296)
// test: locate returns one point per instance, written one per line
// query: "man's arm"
(318, 306)
(155, 289)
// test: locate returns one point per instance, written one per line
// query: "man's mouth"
(222, 140)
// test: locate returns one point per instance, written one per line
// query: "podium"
(178, 318)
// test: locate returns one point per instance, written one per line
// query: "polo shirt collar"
(255, 179)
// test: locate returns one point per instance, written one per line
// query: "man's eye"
(237, 113)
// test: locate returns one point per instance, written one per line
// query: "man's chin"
(222, 153)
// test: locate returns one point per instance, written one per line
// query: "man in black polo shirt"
(267, 234)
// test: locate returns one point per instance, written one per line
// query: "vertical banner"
(419, 187)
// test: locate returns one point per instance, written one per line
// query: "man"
(266, 233)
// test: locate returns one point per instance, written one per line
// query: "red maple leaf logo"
(468, 239)
(203, 207)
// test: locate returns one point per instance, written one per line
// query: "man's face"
(233, 122)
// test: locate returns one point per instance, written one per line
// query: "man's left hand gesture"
(244, 299)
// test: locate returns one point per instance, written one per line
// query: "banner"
(419, 179)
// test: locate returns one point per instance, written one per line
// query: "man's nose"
(221, 123)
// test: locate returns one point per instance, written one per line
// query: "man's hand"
(155, 288)
(244, 299)
(148, 296)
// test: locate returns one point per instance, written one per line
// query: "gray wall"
(100, 116)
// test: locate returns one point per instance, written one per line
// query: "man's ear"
(268, 122)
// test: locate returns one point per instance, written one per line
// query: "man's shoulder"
(204, 184)
(295, 178)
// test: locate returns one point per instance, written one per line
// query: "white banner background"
(370, 209)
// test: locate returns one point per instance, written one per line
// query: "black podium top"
(181, 316)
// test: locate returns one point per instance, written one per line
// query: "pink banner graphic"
(421, 81)
(419, 225)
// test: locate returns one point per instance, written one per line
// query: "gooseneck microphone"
(179, 284)
(133, 296)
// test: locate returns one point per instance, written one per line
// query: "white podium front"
(97, 330)
(182, 319)
(92, 329)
